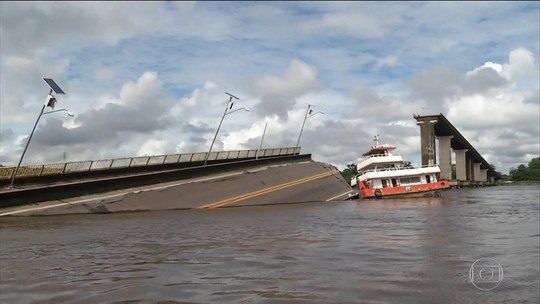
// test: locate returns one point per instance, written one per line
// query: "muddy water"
(392, 251)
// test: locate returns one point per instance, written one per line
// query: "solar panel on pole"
(53, 86)
(232, 95)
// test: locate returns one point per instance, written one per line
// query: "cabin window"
(410, 180)
(384, 183)
(394, 182)
(428, 179)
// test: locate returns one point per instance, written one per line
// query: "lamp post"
(226, 112)
(50, 101)
(260, 146)
(309, 113)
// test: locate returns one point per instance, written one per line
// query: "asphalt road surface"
(297, 182)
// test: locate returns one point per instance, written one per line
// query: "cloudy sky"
(149, 78)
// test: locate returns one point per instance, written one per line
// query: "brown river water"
(477, 245)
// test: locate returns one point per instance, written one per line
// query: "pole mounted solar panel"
(232, 95)
(231, 103)
(53, 86)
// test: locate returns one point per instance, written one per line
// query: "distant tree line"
(349, 172)
(526, 173)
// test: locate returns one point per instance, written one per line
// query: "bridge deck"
(289, 182)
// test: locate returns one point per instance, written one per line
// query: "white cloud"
(48, 25)
(22, 90)
(278, 93)
(484, 111)
(521, 65)
(389, 61)
(152, 146)
(132, 94)
(488, 65)
(359, 22)
(152, 79)
(103, 74)
(298, 78)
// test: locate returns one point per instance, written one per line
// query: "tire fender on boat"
(378, 193)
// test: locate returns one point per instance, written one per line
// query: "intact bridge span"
(471, 168)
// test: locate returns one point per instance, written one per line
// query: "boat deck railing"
(394, 169)
(141, 161)
(382, 155)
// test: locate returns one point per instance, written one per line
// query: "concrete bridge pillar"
(470, 171)
(467, 172)
(477, 173)
(483, 175)
(461, 165)
(427, 141)
(445, 157)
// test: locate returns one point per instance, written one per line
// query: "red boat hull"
(420, 190)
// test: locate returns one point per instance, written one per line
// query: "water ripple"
(395, 251)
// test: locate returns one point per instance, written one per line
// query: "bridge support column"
(427, 141)
(461, 165)
(467, 172)
(445, 157)
(483, 175)
(477, 173)
(470, 171)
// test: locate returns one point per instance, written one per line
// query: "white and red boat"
(382, 174)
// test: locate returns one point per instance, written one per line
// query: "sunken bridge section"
(169, 182)
(471, 168)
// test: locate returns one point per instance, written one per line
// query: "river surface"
(384, 251)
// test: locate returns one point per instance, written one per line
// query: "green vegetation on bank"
(349, 172)
(526, 173)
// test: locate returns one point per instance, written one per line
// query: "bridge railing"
(141, 161)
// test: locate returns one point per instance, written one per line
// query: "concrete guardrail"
(142, 161)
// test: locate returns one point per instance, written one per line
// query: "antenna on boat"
(376, 139)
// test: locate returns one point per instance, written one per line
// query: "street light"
(50, 101)
(59, 110)
(309, 113)
(226, 112)
(260, 146)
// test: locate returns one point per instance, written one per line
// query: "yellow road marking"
(98, 198)
(265, 191)
(339, 195)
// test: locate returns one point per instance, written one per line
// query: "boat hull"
(433, 189)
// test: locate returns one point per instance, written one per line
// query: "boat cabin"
(398, 181)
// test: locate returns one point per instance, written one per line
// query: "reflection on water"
(384, 251)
